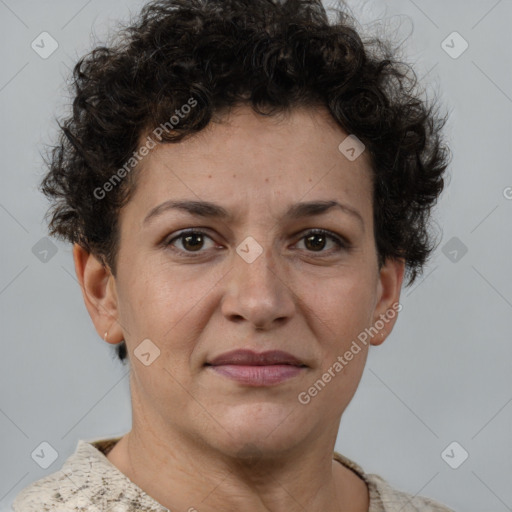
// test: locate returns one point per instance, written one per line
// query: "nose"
(258, 293)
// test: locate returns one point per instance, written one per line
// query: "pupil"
(313, 245)
(190, 244)
(310, 241)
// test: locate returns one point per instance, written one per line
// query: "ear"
(99, 292)
(388, 298)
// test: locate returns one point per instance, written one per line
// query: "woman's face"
(257, 278)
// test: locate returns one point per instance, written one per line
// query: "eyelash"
(340, 242)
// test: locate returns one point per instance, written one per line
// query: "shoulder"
(87, 482)
(384, 498)
(69, 488)
(52, 493)
(394, 500)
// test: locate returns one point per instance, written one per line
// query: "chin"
(260, 429)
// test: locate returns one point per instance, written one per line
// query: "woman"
(246, 184)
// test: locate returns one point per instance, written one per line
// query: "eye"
(316, 240)
(191, 241)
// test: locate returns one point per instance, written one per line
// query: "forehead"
(245, 158)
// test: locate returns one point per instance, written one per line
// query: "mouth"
(257, 369)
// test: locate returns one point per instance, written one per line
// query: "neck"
(182, 474)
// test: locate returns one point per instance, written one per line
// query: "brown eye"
(317, 240)
(190, 241)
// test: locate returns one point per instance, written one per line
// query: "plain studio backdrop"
(433, 413)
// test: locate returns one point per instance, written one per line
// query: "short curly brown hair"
(270, 54)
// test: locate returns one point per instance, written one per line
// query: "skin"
(192, 428)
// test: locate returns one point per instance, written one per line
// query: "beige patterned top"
(89, 482)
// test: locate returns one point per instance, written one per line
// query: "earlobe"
(388, 298)
(98, 290)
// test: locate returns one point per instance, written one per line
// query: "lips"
(250, 358)
(251, 369)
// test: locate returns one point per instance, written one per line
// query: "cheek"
(347, 306)
(343, 355)
(168, 306)
(342, 304)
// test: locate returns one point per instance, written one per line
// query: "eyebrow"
(211, 210)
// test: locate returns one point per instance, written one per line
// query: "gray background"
(443, 375)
